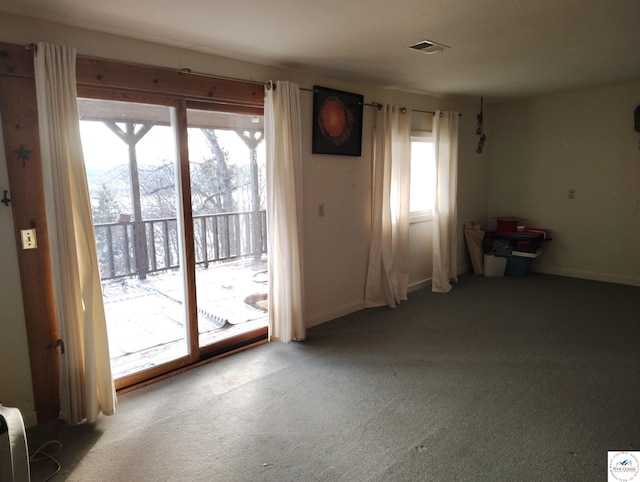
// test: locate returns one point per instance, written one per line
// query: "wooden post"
(131, 138)
(252, 141)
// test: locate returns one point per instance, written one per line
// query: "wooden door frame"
(18, 107)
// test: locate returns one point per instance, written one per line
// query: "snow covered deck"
(146, 318)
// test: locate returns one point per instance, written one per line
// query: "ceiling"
(500, 49)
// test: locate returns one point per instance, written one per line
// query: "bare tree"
(222, 175)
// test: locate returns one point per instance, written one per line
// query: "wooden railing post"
(111, 260)
(203, 241)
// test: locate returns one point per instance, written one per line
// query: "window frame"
(121, 81)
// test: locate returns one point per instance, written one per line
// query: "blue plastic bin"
(516, 265)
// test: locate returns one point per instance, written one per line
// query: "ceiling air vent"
(429, 47)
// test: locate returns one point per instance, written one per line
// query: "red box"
(507, 226)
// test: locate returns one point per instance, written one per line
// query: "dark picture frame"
(337, 122)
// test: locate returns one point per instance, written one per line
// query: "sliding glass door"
(180, 230)
(131, 162)
(226, 164)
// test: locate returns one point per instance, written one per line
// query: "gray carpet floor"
(503, 379)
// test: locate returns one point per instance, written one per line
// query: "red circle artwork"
(333, 118)
(336, 121)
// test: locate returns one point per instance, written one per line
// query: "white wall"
(539, 149)
(336, 245)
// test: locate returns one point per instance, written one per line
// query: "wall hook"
(480, 128)
(5, 199)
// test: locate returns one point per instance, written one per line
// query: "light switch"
(29, 238)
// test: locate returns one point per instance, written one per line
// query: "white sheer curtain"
(388, 270)
(445, 213)
(284, 211)
(86, 383)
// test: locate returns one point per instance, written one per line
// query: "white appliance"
(14, 455)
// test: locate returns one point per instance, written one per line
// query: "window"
(422, 187)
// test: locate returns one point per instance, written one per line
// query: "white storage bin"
(494, 265)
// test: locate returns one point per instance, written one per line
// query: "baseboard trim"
(418, 285)
(590, 275)
(426, 283)
(333, 314)
(320, 318)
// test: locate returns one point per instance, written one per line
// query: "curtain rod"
(32, 47)
(371, 104)
(377, 104)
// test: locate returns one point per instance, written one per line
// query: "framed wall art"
(337, 122)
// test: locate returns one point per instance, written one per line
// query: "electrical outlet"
(29, 238)
(571, 194)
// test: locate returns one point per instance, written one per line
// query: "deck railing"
(217, 237)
